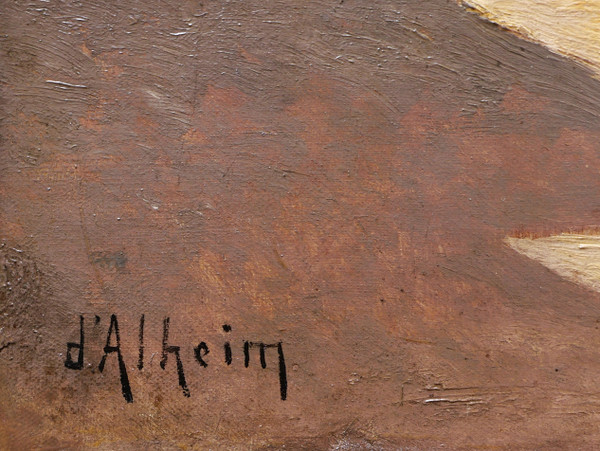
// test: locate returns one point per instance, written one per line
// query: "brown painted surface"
(566, 27)
(337, 176)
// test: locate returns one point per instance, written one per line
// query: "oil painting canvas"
(337, 225)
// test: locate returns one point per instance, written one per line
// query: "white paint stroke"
(567, 27)
(573, 256)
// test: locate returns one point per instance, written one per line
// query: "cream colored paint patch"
(571, 28)
(575, 257)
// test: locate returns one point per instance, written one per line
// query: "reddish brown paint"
(337, 176)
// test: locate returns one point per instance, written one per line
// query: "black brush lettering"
(166, 350)
(141, 348)
(108, 349)
(200, 351)
(69, 363)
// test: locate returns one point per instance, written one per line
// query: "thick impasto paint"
(315, 225)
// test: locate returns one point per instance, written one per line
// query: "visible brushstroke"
(200, 352)
(109, 349)
(564, 26)
(227, 346)
(69, 362)
(573, 256)
(175, 350)
(283, 167)
(63, 84)
(263, 362)
(141, 343)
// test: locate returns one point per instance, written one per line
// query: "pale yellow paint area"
(570, 28)
(575, 257)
